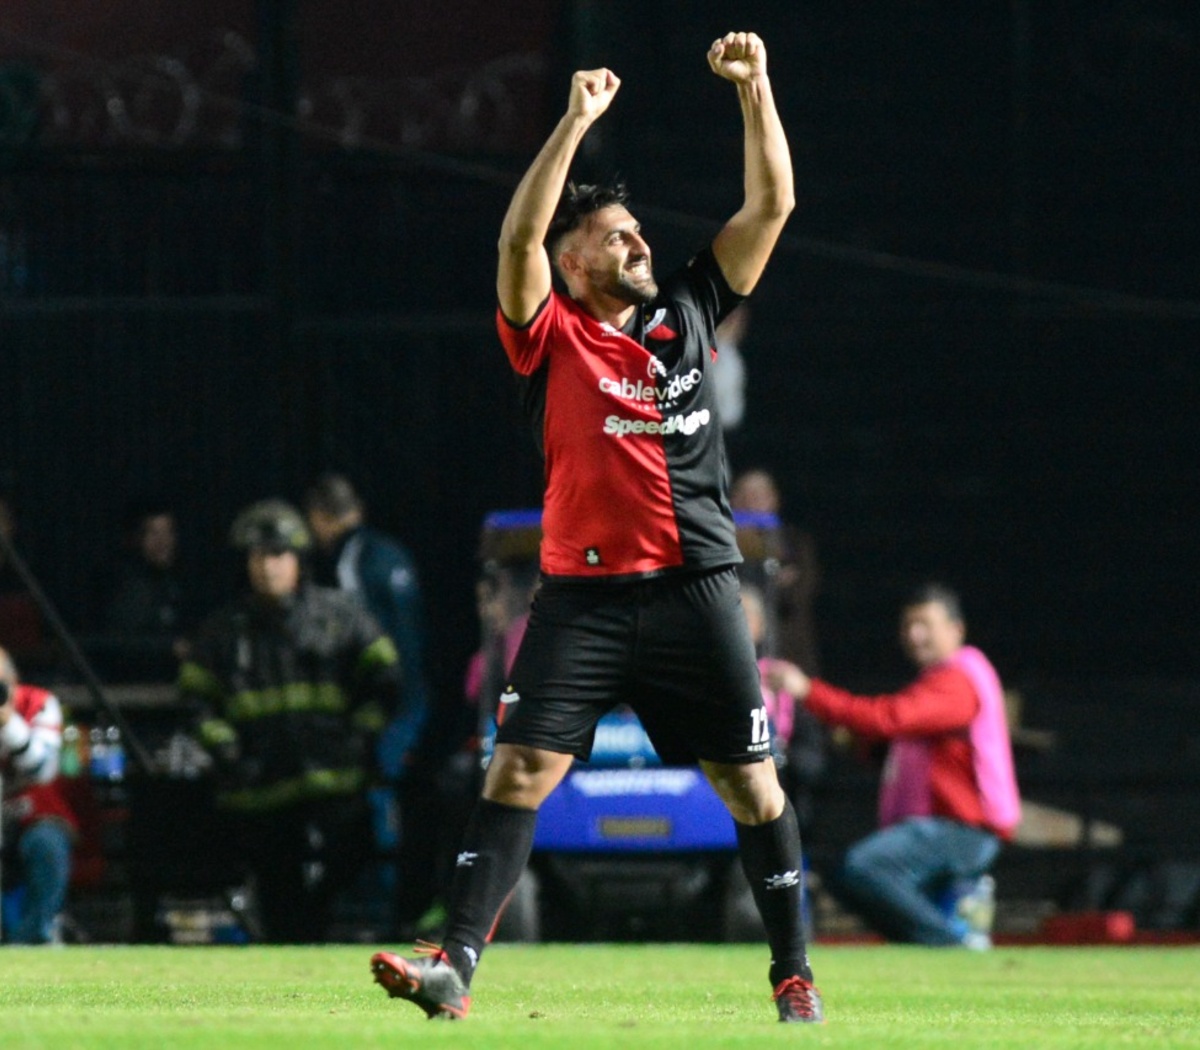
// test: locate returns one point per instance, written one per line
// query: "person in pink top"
(948, 797)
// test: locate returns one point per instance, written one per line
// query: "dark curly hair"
(577, 203)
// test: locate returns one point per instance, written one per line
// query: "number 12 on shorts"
(760, 728)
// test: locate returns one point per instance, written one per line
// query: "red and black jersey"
(626, 421)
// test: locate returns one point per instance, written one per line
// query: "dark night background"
(244, 246)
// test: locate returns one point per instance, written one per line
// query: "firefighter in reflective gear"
(289, 687)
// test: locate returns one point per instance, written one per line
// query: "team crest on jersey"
(592, 555)
(658, 329)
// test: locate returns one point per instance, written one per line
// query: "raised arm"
(523, 274)
(746, 241)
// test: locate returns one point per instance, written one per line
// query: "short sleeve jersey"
(626, 421)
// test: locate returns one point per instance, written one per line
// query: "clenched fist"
(592, 90)
(738, 57)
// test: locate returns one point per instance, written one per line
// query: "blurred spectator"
(948, 797)
(503, 598)
(22, 627)
(793, 633)
(380, 573)
(290, 686)
(801, 744)
(39, 827)
(146, 614)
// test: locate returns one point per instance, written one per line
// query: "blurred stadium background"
(245, 241)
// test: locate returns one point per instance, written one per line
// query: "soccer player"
(639, 596)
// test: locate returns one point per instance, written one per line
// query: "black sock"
(493, 854)
(771, 860)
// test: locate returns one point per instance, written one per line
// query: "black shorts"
(675, 648)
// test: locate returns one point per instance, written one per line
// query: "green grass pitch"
(602, 996)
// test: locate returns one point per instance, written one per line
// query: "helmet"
(270, 524)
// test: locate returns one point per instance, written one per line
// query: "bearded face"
(614, 258)
(630, 281)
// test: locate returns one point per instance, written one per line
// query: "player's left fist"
(738, 56)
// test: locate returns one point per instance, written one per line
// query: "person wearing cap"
(289, 687)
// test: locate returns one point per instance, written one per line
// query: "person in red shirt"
(948, 796)
(39, 826)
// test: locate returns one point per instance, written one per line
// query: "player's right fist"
(592, 90)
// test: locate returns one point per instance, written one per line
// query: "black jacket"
(288, 698)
